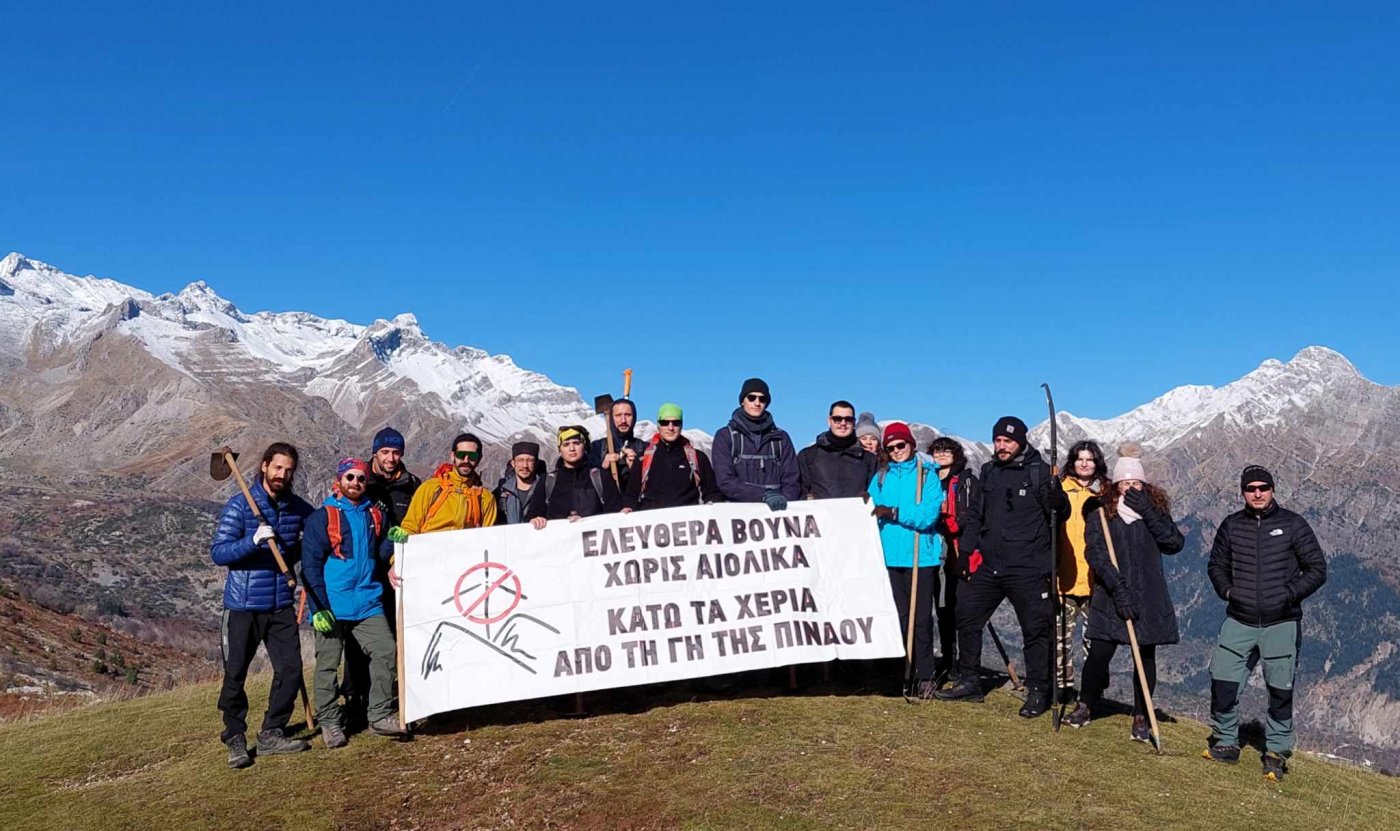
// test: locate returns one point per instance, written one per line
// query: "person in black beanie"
(754, 460)
(520, 496)
(1011, 562)
(627, 448)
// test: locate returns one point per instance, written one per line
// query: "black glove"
(1123, 602)
(886, 513)
(1139, 501)
(774, 500)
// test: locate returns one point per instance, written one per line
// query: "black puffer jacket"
(829, 471)
(1264, 564)
(1139, 548)
(1016, 499)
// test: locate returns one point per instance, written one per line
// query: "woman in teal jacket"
(903, 514)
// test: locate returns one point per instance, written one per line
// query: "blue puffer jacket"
(750, 459)
(348, 586)
(897, 491)
(254, 584)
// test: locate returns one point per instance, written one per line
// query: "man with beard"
(622, 418)
(344, 544)
(453, 499)
(836, 465)
(1012, 562)
(575, 488)
(754, 459)
(258, 604)
(1265, 562)
(671, 472)
(520, 496)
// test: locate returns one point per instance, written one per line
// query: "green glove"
(397, 534)
(323, 621)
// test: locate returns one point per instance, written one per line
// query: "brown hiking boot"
(390, 728)
(274, 742)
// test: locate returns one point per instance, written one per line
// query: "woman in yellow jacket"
(1086, 475)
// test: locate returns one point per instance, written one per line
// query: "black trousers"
(1096, 674)
(900, 579)
(242, 632)
(945, 606)
(1030, 596)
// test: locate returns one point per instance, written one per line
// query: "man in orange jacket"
(453, 498)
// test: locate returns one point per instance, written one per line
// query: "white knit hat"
(1128, 465)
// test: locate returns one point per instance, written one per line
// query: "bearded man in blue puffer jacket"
(258, 604)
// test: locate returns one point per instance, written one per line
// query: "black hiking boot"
(1226, 753)
(966, 688)
(238, 757)
(274, 742)
(389, 727)
(333, 735)
(1080, 717)
(1142, 730)
(1037, 702)
(925, 689)
(1274, 767)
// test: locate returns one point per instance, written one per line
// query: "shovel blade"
(602, 405)
(219, 468)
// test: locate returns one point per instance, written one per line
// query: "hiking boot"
(1037, 702)
(274, 742)
(389, 727)
(333, 735)
(1142, 730)
(1274, 767)
(925, 689)
(238, 757)
(1227, 753)
(966, 688)
(1080, 717)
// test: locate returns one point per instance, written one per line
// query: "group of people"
(956, 544)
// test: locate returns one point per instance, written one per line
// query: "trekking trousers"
(241, 633)
(1076, 608)
(945, 608)
(1240, 647)
(923, 614)
(355, 685)
(1029, 594)
(1096, 674)
(373, 637)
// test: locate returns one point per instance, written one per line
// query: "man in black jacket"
(1012, 562)
(671, 471)
(1264, 563)
(836, 465)
(627, 448)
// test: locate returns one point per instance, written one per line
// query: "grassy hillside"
(777, 762)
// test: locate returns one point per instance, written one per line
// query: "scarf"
(1127, 514)
(837, 442)
(756, 426)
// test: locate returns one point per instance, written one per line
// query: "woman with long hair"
(1142, 529)
(1085, 475)
(959, 524)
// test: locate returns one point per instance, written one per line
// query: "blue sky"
(925, 208)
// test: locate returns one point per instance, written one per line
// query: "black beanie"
(528, 448)
(755, 385)
(1010, 427)
(1256, 473)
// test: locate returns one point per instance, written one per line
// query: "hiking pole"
(913, 588)
(1055, 708)
(1133, 642)
(222, 462)
(1006, 659)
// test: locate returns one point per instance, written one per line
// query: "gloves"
(951, 523)
(775, 500)
(263, 534)
(323, 621)
(886, 513)
(397, 534)
(1139, 501)
(970, 564)
(1124, 604)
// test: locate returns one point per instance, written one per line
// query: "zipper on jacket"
(1258, 566)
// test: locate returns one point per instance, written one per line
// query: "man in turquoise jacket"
(344, 544)
(907, 507)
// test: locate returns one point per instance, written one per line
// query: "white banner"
(510, 613)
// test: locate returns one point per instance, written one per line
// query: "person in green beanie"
(672, 471)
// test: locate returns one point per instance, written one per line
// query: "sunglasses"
(669, 422)
(1258, 488)
(896, 446)
(756, 396)
(843, 419)
(474, 455)
(355, 477)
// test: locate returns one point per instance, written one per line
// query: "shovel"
(222, 463)
(602, 405)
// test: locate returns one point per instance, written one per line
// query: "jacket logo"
(1022, 493)
(1277, 532)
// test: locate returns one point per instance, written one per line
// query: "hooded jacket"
(464, 506)
(1139, 548)
(1074, 575)
(348, 585)
(254, 584)
(751, 458)
(1264, 564)
(915, 517)
(598, 448)
(1016, 499)
(826, 470)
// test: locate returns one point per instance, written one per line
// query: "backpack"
(691, 458)
(595, 475)
(736, 443)
(337, 535)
